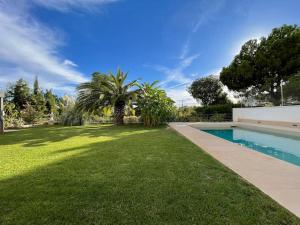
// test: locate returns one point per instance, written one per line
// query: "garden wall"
(281, 115)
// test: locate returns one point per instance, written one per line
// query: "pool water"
(281, 147)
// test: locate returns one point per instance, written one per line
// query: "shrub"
(131, 119)
(215, 113)
(155, 106)
(187, 114)
(11, 115)
(217, 118)
(30, 115)
(213, 109)
(71, 117)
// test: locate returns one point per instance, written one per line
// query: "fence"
(215, 117)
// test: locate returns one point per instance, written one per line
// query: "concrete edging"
(278, 179)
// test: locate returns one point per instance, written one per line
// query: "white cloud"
(68, 62)
(185, 48)
(181, 96)
(29, 49)
(179, 80)
(207, 12)
(176, 74)
(67, 5)
(30, 46)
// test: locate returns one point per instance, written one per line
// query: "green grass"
(126, 175)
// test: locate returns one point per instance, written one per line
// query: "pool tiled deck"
(276, 178)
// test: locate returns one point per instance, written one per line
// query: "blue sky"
(174, 41)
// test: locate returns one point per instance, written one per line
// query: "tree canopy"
(208, 91)
(263, 64)
(19, 94)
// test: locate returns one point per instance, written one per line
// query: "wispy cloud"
(207, 11)
(28, 48)
(68, 62)
(181, 97)
(68, 5)
(176, 74)
(185, 47)
(176, 80)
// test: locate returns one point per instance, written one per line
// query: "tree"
(30, 115)
(36, 87)
(37, 99)
(154, 105)
(242, 73)
(107, 90)
(51, 103)
(70, 116)
(291, 90)
(19, 93)
(208, 90)
(264, 65)
(11, 115)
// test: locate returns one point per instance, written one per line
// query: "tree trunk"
(119, 112)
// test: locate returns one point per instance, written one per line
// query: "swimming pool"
(281, 147)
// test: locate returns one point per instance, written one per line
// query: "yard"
(122, 175)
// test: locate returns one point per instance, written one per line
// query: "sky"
(174, 41)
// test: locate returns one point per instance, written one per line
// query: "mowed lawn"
(122, 175)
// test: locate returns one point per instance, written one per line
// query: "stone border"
(278, 179)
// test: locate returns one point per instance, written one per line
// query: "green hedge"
(213, 109)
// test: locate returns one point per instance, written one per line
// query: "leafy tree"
(70, 115)
(107, 90)
(37, 99)
(30, 115)
(263, 65)
(36, 87)
(241, 73)
(38, 102)
(12, 118)
(19, 94)
(51, 104)
(155, 106)
(292, 88)
(208, 90)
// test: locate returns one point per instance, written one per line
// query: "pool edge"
(278, 179)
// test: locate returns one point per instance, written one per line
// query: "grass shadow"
(127, 175)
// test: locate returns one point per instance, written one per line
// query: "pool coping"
(278, 179)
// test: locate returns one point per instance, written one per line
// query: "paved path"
(276, 178)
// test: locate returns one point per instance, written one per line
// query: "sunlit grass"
(122, 175)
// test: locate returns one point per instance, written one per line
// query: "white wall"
(280, 113)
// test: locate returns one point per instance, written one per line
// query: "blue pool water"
(281, 147)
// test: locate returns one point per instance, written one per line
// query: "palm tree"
(107, 90)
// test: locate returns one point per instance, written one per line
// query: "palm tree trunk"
(119, 113)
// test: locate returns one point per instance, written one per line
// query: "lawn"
(122, 175)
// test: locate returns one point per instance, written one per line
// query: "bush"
(71, 117)
(217, 118)
(213, 113)
(187, 114)
(30, 115)
(131, 119)
(213, 109)
(155, 106)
